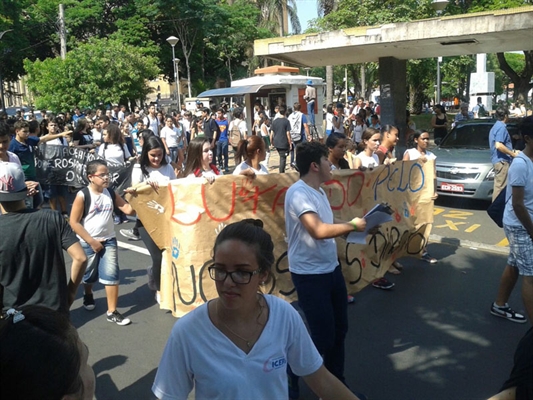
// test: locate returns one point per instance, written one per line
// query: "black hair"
(153, 142)
(333, 139)
(387, 128)
(282, 109)
(307, 153)
(501, 113)
(81, 125)
(145, 134)
(237, 113)
(251, 232)
(526, 128)
(329, 108)
(411, 144)
(39, 356)
(4, 129)
(92, 166)
(33, 125)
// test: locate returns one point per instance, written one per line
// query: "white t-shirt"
(241, 124)
(113, 153)
(12, 157)
(308, 255)
(97, 135)
(367, 161)
(152, 124)
(329, 122)
(358, 133)
(186, 124)
(244, 166)
(414, 154)
(161, 175)
(172, 136)
(99, 220)
(60, 141)
(198, 355)
(520, 174)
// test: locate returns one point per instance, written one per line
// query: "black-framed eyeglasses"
(240, 277)
(103, 176)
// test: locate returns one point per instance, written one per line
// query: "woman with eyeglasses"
(417, 144)
(238, 345)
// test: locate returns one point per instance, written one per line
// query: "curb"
(468, 244)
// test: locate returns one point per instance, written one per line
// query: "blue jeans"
(222, 153)
(322, 298)
(173, 153)
(102, 266)
(293, 149)
(311, 112)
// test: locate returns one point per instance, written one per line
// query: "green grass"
(422, 121)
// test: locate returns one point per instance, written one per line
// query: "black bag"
(497, 207)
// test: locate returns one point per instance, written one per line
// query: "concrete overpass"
(392, 44)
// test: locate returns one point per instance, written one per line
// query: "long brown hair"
(247, 148)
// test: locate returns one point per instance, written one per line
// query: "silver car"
(464, 167)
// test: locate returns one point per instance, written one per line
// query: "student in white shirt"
(255, 336)
(253, 150)
(114, 150)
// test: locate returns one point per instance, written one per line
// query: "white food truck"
(271, 86)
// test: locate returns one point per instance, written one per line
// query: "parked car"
(464, 167)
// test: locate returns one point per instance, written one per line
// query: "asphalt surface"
(431, 337)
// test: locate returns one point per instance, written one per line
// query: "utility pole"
(62, 31)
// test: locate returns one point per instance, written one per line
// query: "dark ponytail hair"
(251, 232)
(411, 144)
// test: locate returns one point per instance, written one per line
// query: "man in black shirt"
(280, 137)
(32, 266)
(211, 130)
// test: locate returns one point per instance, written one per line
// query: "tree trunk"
(329, 84)
(522, 83)
(416, 99)
(188, 74)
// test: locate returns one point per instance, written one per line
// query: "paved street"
(431, 337)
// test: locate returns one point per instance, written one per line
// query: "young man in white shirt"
(312, 252)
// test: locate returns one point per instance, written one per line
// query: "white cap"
(12, 182)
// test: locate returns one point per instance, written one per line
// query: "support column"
(393, 102)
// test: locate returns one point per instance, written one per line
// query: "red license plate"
(452, 187)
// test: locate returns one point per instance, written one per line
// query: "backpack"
(87, 200)
(481, 112)
(295, 120)
(235, 134)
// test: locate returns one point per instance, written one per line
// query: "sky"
(306, 12)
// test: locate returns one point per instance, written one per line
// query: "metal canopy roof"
(231, 91)
(484, 32)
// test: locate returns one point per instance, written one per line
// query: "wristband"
(352, 222)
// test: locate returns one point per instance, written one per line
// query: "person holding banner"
(199, 160)
(253, 150)
(237, 346)
(153, 169)
(313, 263)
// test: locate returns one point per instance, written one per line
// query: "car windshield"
(471, 136)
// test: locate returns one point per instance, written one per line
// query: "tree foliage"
(99, 71)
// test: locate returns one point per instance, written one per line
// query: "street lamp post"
(173, 40)
(177, 69)
(1, 81)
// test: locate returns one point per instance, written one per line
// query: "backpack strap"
(87, 200)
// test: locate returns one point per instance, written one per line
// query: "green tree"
(99, 71)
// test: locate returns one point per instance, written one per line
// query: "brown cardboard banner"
(184, 218)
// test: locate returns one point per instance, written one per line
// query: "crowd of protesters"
(186, 144)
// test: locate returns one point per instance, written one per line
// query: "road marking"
(458, 214)
(450, 224)
(472, 228)
(503, 243)
(132, 247)
(437, 211)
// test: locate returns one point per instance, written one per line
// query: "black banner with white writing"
(61, 165)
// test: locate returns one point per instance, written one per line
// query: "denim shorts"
(102, 266)
(521, 249)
